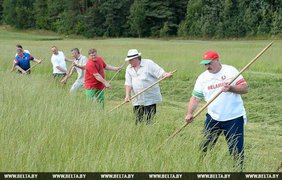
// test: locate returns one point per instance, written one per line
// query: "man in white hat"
(140, 73)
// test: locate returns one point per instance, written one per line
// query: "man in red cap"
(226, 114)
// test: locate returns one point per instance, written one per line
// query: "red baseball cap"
(209, 56)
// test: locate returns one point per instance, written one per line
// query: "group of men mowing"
(226, 114)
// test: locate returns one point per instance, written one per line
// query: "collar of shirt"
(141, 64)
(78, 58)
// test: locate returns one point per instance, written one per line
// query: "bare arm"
(13, 67)
(127, 93)
(78, 66)
(37, 60)
(102, 80)
(192, 105)
(240, 89)
(167, 74)
(71, 71)
(61, 69)
(68, 60)
(20, 69)
(112, 68)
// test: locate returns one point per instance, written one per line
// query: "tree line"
(147, 18)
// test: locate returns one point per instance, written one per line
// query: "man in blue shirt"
(22, 61)
(18, 46)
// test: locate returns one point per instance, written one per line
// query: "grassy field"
(44, 128)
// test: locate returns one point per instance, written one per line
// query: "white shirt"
(58, 60)
(148, 73)
(81, 61)
(227, 105)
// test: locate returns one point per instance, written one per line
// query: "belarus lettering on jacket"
(228, 105)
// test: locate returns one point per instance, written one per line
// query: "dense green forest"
(147, 18)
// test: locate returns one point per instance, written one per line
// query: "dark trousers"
(145, 112)
(233, 131)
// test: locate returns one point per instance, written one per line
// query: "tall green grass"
(44, 128)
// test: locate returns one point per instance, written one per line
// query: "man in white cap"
(226, 114)
(140, 73)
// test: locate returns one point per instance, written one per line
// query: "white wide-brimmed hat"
(132, 53)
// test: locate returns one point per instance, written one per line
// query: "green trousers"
(93, 95)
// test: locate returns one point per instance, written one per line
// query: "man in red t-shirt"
(95, 76)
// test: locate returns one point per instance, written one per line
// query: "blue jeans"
(233, 131)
